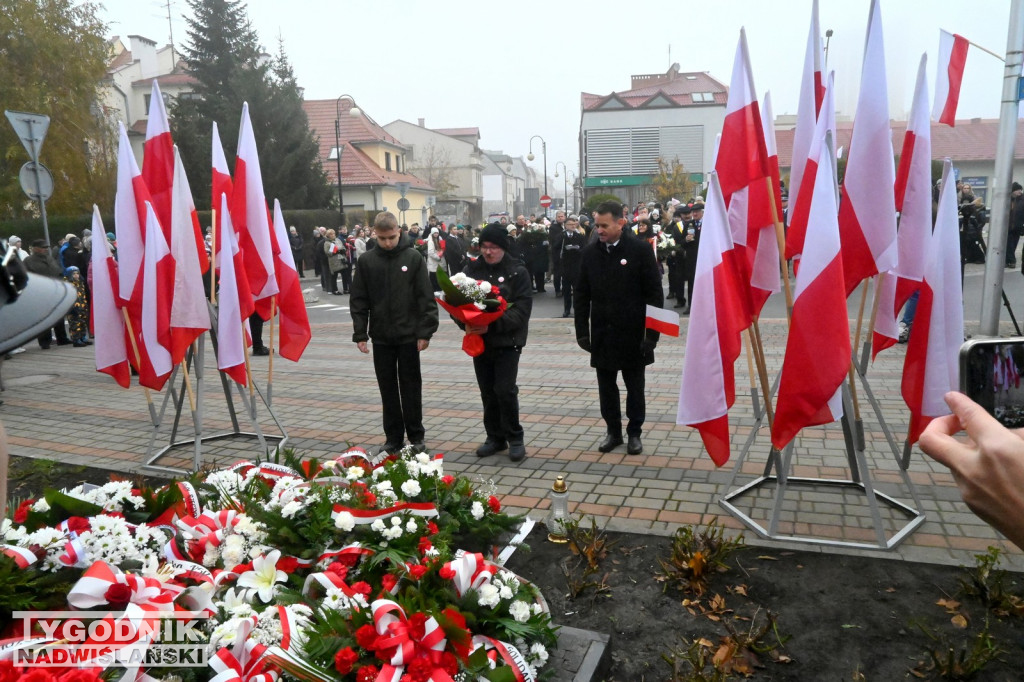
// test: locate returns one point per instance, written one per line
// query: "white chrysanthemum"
(536, 608)
(519, 610)
(538, 654)
(344, 521)
(485, 286)
(41, 506)
(505, 592)
(355, 472)
(410, 526)
(292, 508)
(377, 525)
(227, 483)
(477, 510)
(432, 552)
(211, 556)
(329, 465)
(488, 595)
(411, 488)
(422, 458)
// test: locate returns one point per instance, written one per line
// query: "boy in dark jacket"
(393, 304)
(497, 368)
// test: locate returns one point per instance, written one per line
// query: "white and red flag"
(662, 321)
(913, 194)
(232, 320)
(107, 321)
(718, 315)
(189, 315)
(251, 218)
(931, 368)
(158, 159)
(768, 125)
(291, 306)
(221, 184)
(867, 209)
(800, 205)
(949, 75)
(129, 222)
(818, 348)
(742, 166)
(812, 92)
(154, 338)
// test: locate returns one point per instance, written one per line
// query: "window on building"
(333, 155)
(188, 96)
(146, 99)
(625, 151)
(387, 160)
(702, 97)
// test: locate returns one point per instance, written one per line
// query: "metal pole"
(39, 187)
(995, 262)
(337, 150)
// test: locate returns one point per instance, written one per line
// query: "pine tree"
(225, 58)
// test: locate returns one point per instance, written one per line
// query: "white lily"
(264, 576)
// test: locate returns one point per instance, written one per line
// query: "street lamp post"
(544, 151)
(353, 111)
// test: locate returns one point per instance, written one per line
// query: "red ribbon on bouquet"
(470, 315)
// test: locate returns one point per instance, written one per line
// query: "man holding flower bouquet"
(497, 368)
(393, 304)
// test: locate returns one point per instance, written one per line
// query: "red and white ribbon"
(244, 661)
(471, 571)
(506, 653)
(393, 627)
(366, 516)
(22, 557)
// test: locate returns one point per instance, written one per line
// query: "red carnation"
(338, 569)
(349, 560)
(420, 669)
(79, 676)
(447, 572)
(288, 564)
(118, 595)
(344, 660)
(366, 637)
(388, 582)
(417, 571)
(78, 524)
(37, 676)
(432, 527)
(450, 663)
(21, 513)
(448, 479)
(368, 673)
(494, 504)
(369, 499)
(425, 545)
(418, 625)
(362, 588)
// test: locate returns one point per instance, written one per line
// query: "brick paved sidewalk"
(57, 406)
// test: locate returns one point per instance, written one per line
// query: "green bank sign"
(619, 181)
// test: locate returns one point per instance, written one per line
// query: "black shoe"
(680, 304)
(63, 342)
(634, 446)
(557, 292)
(686, 310)
(670, 295)
(389, 448)
(609, 443)
(419, 446)
(566, 314)
(261, 350)
(516, 451)
(45, 346)
(491, 447)
(79, 344)
(87, 342)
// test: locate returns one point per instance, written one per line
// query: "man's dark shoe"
(419, 446)
(262, 350)
(516, 451)
(634, 446)
(390, 448)
(491, 447)
(566, 315)
(63, 342)
(680, 304)
(609, 443)
(79, 344)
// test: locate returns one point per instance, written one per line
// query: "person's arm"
(581, 303)
(519, 294)
(359, 303)
(427, 322)
(988, 467)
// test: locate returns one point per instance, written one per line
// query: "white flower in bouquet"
(538, 654)
(354, 473)
(519, 610)
(394, 530)
(253, 531)
(292, 508)
(223, 635)
(235, 603)
(345, 521)
(477, 510)
(211, 556)
(422, 458)
(505, 592)
(411, 488)
(378, 525)
(227, 483)
(41, 506)
(536, 608)
(488, 595)
(509, 578)
(485, 286)
(337, 600)
(264, 576)
(233, 550)
(11, 534)
(410, 526)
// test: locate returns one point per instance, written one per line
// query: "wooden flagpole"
(270, 360)
(750, 372)
(138, 360)
(780, 237)
(871, 320)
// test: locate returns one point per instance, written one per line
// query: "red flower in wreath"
(118, 595)
(21, 513)
(388, 582)
(432, 528)
(368, 673)
(344, 660)
(425, 545)
(366, 637)
(417, 571)
(494, 504)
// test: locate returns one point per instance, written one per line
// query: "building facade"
(669, 117)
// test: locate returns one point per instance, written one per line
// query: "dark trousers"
(497, 370)
(256, 330)
(636, 406)
(556, 276)
(401, 391)
(567, 292)
(1012, 239)
(538, 280)
(330, 281)
(297, 257)
(346, 280)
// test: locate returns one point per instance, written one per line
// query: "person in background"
(435, 256)
(78, 316)
(568, 252)
(16, 243)
(1016, 227)
(41, 262)
(296, 243)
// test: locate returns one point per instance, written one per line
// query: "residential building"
(971, 144)
(373, 162)
(128, 83)
(451, 161)
(510, 185)
(673, 116)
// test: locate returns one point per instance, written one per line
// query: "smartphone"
(992, 375)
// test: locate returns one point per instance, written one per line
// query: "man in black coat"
(568, 252)
(295, 243)
(42, 262)
(555, 230)
(691, 244)
(497, 368)
(618, 279)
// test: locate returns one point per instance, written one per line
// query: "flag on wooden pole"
(291, 306)
(232, 320)
(157, 287)
(107, 322)
(812, 92)
(189, 315)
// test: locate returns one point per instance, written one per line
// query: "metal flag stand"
(194, 358)
(859, 480)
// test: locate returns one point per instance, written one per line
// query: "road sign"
(403, 187)
(31, 129)
(545, 201)
(36, 185)
(1020, 88)
(403, 204)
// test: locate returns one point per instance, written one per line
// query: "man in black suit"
(618, 279)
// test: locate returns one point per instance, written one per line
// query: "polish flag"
(189, 315)
(768, 125)
(867, 210)
(158, 159)
(932, 367)
(129, 220)
(291, 306)
(914, 203)
(232, 321)
(742, 167)
(107, 322)
(818, 348)
(812, 92)
(949, 75)
(718, 315)
(800, 205)
(154, 337)
(663, 321)
(221, 183)
(251, 217)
